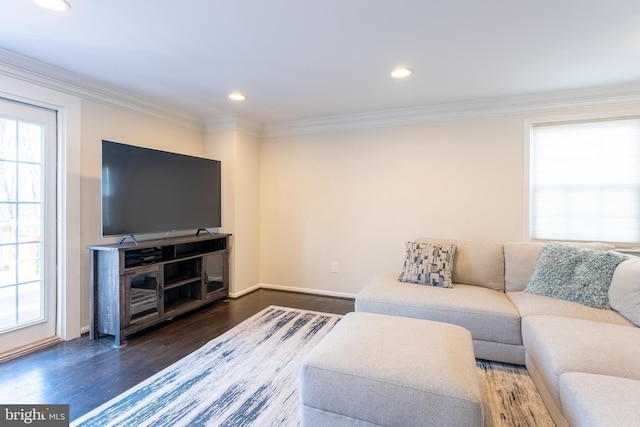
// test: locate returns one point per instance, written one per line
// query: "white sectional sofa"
(571, 350)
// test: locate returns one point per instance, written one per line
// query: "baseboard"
(321, 292)
(244, 291)
(30, 348)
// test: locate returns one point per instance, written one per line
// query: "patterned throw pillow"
(574, 274)
(428, 264)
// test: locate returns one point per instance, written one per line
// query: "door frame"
(70, 291)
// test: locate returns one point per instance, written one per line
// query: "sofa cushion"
(487, 314)
(574, 274)
(624, 292)
(529, 304)
(593, 400)
(428, 264)
(476, 263)
(556, 345)
(520, 260)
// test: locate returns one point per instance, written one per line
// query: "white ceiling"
(297, 59)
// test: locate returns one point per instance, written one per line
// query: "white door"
(27, 225)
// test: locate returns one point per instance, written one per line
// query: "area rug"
(510, 397)
(249, 377)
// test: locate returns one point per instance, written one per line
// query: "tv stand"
(137, 285)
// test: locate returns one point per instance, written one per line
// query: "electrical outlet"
(334, 267)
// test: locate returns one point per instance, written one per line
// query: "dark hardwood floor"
(85, 373)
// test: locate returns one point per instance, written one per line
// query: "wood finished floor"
(85, 373)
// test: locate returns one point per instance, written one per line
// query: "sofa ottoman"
(386, 370)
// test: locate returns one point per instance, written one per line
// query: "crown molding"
(46, 75)
(33, 71)
(551, 101)
(220, 123)
(232, 122)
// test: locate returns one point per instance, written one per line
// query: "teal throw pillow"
(575, 274)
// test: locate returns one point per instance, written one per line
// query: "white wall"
(240, 156)
(247, 231)
(355, 197)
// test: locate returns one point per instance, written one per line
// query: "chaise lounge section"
(567, 346)
(477, 301)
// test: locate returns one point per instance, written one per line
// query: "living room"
(321, 204)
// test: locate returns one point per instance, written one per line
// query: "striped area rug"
(510, 397)
(249, 377)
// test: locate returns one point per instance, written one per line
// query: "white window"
(584, 181)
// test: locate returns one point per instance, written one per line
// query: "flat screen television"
(152, 191)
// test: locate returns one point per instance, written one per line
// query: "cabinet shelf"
(182, 282)
(135, 286)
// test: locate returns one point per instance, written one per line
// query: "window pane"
(585, 181)
(28, 262)
(8, 273)
(7, 223)
(30, 142)
(29, 302)
(8, 171)
(29, 222)
(7, 307)
(7, 139)
(30, 182)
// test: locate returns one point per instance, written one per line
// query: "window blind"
(585, 181)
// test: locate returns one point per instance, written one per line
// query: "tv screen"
(153, 191)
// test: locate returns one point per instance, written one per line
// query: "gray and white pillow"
(428, 264)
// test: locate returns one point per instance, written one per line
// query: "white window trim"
(526, 156)
(68, 108)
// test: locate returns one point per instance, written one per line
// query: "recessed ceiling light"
(400, 73)
(237, 96)
(57, 5)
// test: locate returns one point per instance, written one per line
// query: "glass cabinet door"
(214, 273)
(141, 297)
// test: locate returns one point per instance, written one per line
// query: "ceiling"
(308, 59)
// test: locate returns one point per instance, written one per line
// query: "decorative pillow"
(574, 274)
(428, 264)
